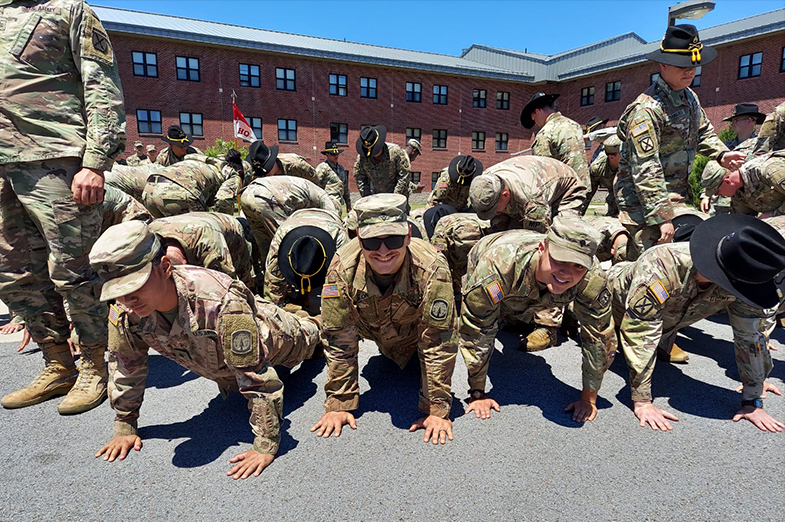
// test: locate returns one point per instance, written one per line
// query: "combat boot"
(57, 377)
(90, 388)
(676, 355)
(541, 338)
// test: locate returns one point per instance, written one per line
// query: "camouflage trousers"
(164, 197)
(264, 214)
(45, 238)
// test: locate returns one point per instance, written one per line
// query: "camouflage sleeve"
(751, 331)
(127, 374)
(103, 97)
(709, 144)
(541, 146)
(361, 177)
(226, 198)
(403, 173)
(331, 183)
(771, 132)
(212, 249)
(712, 177)
(574, 196)
(439, 191)
(119, 207)
(573, 154)
(347, 197)
(275, 284)
(598, 336)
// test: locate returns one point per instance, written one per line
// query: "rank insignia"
(330, 291)
(659, 292)
(495, 292)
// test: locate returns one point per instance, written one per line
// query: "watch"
(757, 403)
(476, 394)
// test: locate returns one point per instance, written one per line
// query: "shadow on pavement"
(392, 390)
(165, 373)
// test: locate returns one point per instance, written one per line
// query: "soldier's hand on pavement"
(666, 232)
(249, 463)
(733, 160)
(760, 418)
(655, 417)
(119, 446)
(705, 205)
(10, 328)
(332, 422)
(582, 411)
(88, 186)
(767, 387)
(25, 340)
(437, 430)
(482, 407)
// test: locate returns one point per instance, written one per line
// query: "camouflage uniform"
(130, 180)
(450, 193)
(772, 132)
(227, 197)
(326, 174)
(609, 229)
(276, 289)
(390, 172)
(119, 207)
(562, 139)
(657, 295)
(722, 204)
(661, 132)
(501, 282)
(602, 175)
(454, 236)
(764, 185)
(167, 157)
(210, 240)
(62, 110)
(135, 160)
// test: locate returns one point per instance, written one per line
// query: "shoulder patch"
(330, 291)
(642, 307)
(659, 292)
(439, 309)
(114, 314)
(495, 292)
(769, 117)
(96, 42)
(640, 129)
(604, 298)
(644, 140)
(239, 336)
(241, 342)
(440, 246)
(441, 185)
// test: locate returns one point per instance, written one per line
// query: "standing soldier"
(603, 171)
(179, 145)
(331, 151)
(413, 150)
(139, 157)
(152, 154)
(662, 130)
(396, 291)
(772, 132)
(452, 187)
(380, 167)
(559, 137)
(63, 123)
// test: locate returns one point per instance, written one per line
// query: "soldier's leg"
(546, 323)
(295, 337)
(613, 207)
(667, 350)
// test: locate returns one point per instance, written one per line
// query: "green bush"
(726, 135)
(695, 179)
(221, 147)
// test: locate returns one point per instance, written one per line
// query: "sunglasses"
(391, 242)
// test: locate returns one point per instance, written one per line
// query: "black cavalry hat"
(741, 254)
(261, 157)
(747, 109)
(593, 122)
(304, 256)
(539, 99)
(330, 147)
(463, 169)
(371, 140)
(177, 136)
(681, 47)
(684, 225)
(432, 216)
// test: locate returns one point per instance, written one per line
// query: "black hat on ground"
(681, 47)
(432, 216)
(330, 147)
(684, 225)
(539, 100)
(261, 157)
(747, 109)
(371, 140)
(177, 136)
(595, 122)
(742, 255)
(463, 169)
(304, 256)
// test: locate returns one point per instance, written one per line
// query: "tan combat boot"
(57, 377)
(676, 355)
(541, 338)
(90, 388)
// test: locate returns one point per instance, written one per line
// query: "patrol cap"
(150, 148)
(484, 194)
(572, 240)
(138, 144)
(415, 145)
(612, 145)
(122, 258)
(382, 215)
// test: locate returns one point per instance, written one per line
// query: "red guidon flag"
(241, 127)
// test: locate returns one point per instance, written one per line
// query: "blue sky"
(447, 27)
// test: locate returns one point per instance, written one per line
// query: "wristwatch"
(757, 403)
(719, 158)
(476, 394)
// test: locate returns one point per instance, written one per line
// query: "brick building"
(299, 91)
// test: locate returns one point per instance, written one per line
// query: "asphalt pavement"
(529, 462)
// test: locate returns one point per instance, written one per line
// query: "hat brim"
(533, 105)
(567, 255)
(591, 127)
(268, 165)
(398, 228)
(683, 60)
(382, 130)
(703, 249)
(332, 151)
(431, 217)
(127, 284)
(684, 225)
(327, 241)
(488, 214)
(759, 117)
(170, 141)
(452, 169)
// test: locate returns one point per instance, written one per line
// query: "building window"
(339, 133)
(413, 92)
(749, 65)
(284, 79)
(287, 130)
(503, 100)
(653, 78)
(587, 96)
(501, 140)
(440, 95)
(434, 179)
(479, 98)
(613, 91)
(782, 61)
(256, 127)
(413, 133)
(478, 140)
(439, 138)
(416, 176)
(145, 64)
(191, 123)
(367, 87)
(696, 82)
(249, 75)
(148, 122)
(187, 69)
(338, 84)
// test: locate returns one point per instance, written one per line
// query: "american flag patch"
(640, 129)
(495, 291)
(439, 246)
(441, 185)
(659, 292)
(114, 314)
(330, 291)
(769, 117)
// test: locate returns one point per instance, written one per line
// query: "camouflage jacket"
(609, 229)
(130, 180)
(446, 192)
(226, 199)
(59, 85)
(134, 160)
(210, 240)
(390, 172)
(562, 139)
(772, 132)
(167, 157)
(276, 289)
(661, 132)
(602, 174)
(416, 314)
(764, 185)
(223, 333)
(335, 181)
(119, 207)
(454, 236)
(713, 170)
(297, 166)
(501, 282)
(539, 188)
(657, 295)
